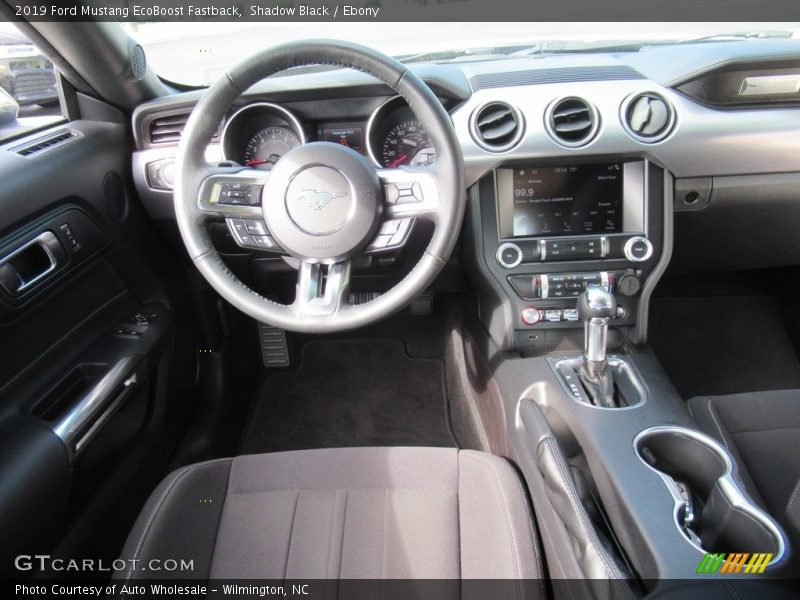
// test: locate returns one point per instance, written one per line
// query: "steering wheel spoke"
(410, 192)
(322, 289)
(232, 192)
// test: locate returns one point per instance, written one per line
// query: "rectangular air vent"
(166, 128)
(46, 143)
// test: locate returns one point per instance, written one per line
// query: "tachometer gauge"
(407, 144)
(268, 145)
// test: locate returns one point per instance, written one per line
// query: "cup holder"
(711, 508)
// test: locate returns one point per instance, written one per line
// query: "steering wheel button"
(392, 193)
(400, 235)
(252, 195)
(390, 227)
(256, 227)
(416, 191)
(380, 242)
(264, 241)
(237, 226)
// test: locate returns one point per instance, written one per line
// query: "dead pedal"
(274, 351)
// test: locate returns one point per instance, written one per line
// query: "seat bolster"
(498, 540)
(710, 418)
(179, 521)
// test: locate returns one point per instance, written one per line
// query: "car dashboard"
(582, 169)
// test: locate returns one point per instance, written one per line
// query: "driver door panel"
(85, 331)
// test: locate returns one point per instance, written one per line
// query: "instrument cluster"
(259, 134)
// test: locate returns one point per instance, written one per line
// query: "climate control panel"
(555, 286)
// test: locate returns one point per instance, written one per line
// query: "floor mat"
(723, 345)
(352, 393)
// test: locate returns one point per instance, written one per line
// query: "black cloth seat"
(341, 513)
(761, 430)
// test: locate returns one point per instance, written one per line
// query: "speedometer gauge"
(407, 143)
(268, 145)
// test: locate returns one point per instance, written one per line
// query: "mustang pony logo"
(317, 200)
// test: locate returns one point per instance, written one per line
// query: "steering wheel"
(322, 203)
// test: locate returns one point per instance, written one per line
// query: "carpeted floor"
(351, 393)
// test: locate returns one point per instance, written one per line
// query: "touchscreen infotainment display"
(564, 200)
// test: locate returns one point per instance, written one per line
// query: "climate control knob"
(638, 249)
(509, 255)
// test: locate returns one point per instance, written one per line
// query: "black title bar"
(400, 10)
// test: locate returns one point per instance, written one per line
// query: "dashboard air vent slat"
(45, 143)
(572, 121)
(497, 126)
(167, 129)
(648, 117)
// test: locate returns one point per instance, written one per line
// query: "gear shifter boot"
(598, 381)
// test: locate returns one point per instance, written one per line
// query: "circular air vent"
(497, 126)
(572, 122)
(647, 117)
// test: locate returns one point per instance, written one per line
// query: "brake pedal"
(274, 351)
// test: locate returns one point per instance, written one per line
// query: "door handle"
(91, 411)
(31, 263)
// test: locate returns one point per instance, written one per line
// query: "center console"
(629, 494)
(549, 230)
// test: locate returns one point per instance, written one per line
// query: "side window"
(29, 95)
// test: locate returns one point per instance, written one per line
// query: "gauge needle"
(398, 161)
(256, 161)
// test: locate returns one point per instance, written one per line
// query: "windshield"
(197, 53)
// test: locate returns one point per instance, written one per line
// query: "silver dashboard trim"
(370, 123)
(704, 141)
(473, 128)
(293, 120)
(770, 85)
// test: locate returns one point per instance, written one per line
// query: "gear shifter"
(595, 307)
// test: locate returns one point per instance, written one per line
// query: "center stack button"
(509, 255)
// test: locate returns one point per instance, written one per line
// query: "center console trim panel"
(727, 484)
